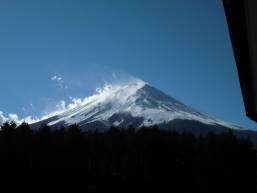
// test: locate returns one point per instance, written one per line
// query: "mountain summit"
(135, 103)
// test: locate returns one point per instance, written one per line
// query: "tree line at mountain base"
(129, 159)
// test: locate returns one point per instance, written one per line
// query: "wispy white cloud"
(14, 117)
(60, 82)
(11, 117)
(2, 118)
(53, 78)
(62, 106)
(57, 78)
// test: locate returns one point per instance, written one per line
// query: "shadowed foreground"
(145, 159)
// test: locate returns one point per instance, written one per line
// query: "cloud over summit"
(74, 102)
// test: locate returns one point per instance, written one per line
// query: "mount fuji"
(136, 104)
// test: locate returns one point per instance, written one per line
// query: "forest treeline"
(147, 158)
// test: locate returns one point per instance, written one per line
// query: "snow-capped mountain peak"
(134, 103)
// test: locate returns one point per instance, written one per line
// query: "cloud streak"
(63, 106)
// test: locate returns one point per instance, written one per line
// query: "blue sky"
(181, 47)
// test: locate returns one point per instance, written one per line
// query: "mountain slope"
(135, 103)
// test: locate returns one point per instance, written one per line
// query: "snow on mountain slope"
(134, 103)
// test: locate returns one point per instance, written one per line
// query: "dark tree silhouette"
(144, 159)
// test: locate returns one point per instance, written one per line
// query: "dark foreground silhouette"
(127, 159)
